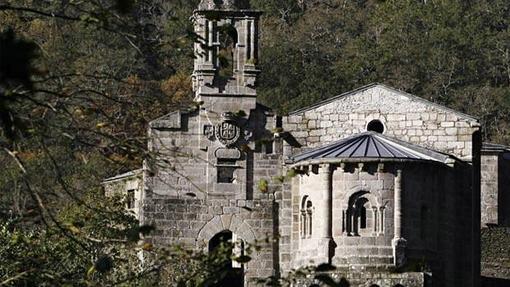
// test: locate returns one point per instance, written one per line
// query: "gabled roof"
(393, 90)
(370, 145)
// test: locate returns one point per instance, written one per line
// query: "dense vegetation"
(451, 52)
(79, 81)
(495, 252)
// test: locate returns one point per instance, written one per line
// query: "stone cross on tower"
(225, 69)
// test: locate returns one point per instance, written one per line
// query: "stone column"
(211, 31)
(303, 227)
(397, 214)
(253, 41)
(398, 242)
(325, 188)
(326, 215)
(375, 221)
(382, 217)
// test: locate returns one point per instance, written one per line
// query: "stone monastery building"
(388, 187)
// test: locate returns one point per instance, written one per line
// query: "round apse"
(375, 126)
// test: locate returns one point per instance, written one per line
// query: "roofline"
(133, 173)
(427, 154)
(229, 11)
(368, 160)
(424, 150)
(177, 111)
(366, 87)
(494, 148)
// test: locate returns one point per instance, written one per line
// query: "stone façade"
(222, 166)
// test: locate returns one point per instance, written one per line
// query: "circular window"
(375, 126)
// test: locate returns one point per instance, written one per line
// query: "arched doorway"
(234, 272)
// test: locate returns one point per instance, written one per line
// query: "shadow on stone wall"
(495, 282)
(504, 190)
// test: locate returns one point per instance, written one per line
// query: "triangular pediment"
(392, 96)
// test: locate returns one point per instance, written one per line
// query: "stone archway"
(362, 212)
(230, 222)
(220, 227)
(234, 273)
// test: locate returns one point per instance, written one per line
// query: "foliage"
(263, 185)
(93, 242)
(98, 243)
(451, 52)
(79, 82)
(495, 248)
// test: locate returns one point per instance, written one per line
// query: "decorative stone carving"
(209, 132)
(227, 133)
(227, 153)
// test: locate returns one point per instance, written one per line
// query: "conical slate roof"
(370, 145)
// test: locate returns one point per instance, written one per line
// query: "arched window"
(375, 126)
(228, 38)
(360, 218)
(306, 217)
(309, 211)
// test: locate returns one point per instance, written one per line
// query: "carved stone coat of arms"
(227, 133)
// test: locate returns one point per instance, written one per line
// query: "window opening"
(306, 217)
(226, 170)
(226, 57)
(130, 199)
(375, 126)
(356, 220)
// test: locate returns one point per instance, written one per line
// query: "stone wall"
(186, 199)
(373, 245)
(129, 186)
(436, 210)
(193, 222)
(404, 117)
(366, 278)
(489, 188)
(495, 189)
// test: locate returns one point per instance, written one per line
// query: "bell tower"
(225, 68)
